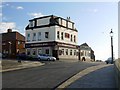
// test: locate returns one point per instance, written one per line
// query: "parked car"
(46, 57)
(23, 56)
(98, 60)
(109, 60)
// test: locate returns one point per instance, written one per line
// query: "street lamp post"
(9, 48)
(111, 35)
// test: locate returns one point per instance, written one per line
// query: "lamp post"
(9, 47)
(111, 35)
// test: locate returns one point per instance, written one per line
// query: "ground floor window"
(34, 52)
(28, 52)
(47, 51)
(62, 51)
(66, 51)
(75, 52)
(70, 52)
(39, 51)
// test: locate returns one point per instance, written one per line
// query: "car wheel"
(39, 58)
(48, 59)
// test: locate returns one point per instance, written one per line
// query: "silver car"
(46, 57)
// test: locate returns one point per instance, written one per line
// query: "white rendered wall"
(66, 40)
(68, 56)
(51, 36)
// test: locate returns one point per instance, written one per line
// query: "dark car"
(23, 56)
(109, 61)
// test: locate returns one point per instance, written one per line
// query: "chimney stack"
(68, 18)
(9, 30)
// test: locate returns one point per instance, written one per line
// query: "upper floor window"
(34, 36)
(28, 37)
(71, 38)
(60, 21)
(39, 36)
(62, 36)
(72, 25)
(58, 35)
(74, 38)
(67, 35)
(31, 24)
(46, 34)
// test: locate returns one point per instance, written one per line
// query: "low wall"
(117, 68)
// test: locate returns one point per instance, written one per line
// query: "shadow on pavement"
(101, 78)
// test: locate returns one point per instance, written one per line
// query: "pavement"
(100, 76)
(10, 65)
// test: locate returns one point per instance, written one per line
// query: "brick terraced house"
(12, 43)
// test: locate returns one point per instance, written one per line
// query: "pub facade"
(52, 35)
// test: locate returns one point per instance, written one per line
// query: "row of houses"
(51, 35)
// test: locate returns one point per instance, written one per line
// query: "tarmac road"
(49, 75)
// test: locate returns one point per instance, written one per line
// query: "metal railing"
(117, 68)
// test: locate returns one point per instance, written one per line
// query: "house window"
(72, 25)
(67, 35)
(61, 21)
(39, 51)
(46, 34)
(28, 37)
(74, 52)
(62, 36)
(82, 53)
(70, 52)
(58, 35)
(34, 52)
(47, 51)
(66, 51)
(34, 36)
(74, 38)
(31, 24)
(39, 36)
(67, 24)
(28, 52)
(71, 38)
(62, 51)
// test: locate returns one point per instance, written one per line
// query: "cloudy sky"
(93, 20)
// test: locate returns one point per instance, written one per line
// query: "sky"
(93, 20)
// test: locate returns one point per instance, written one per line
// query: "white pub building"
(52, 35)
